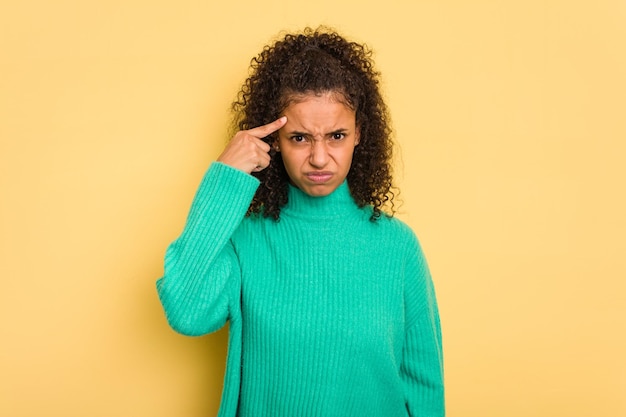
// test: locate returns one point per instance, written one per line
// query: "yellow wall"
(511, 120)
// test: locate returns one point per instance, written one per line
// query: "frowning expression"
(317, 142)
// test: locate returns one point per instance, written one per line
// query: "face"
(317, 142)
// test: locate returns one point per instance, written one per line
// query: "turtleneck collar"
(336, 204)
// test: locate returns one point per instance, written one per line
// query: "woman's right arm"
(202, 278)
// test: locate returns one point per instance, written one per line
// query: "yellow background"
(510, 119)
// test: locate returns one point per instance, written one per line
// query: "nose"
(319, 154)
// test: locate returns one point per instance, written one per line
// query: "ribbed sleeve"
(201, 275)
(422, 358)
(422, 372)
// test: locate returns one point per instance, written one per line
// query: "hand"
(247, 151)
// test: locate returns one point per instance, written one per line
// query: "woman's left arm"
(422, 363)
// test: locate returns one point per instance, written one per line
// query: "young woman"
(291, 238)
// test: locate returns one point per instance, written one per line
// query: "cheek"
(291, 159)
(346, 156)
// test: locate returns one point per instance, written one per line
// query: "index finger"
(265, 130)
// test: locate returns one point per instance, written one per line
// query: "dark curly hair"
(319, 61)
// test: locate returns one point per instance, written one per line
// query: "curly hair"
(319, 61)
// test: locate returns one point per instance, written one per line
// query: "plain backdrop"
(510, 125)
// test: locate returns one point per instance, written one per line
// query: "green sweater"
(330, 314)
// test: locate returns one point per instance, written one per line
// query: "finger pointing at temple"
(247, 151)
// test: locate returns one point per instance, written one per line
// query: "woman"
(331, 306)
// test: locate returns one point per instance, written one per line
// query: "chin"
(320, 190)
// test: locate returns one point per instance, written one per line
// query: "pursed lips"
(319, 176)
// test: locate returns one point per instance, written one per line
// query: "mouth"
(319, 177)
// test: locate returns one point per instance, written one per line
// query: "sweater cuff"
(230, 179)
(224, 190)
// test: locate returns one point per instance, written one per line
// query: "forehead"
(319, 110)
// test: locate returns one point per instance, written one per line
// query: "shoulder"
(252, 226)
(397, 228)
(399, 235)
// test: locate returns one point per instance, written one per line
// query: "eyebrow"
(299, 133)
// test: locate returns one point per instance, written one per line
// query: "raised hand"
(247, 151)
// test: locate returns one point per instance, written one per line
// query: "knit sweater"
(331, 314)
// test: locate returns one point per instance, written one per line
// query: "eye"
(338, 135)
(298, 138)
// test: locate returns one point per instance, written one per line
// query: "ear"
(357, 136)
(274, 141)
